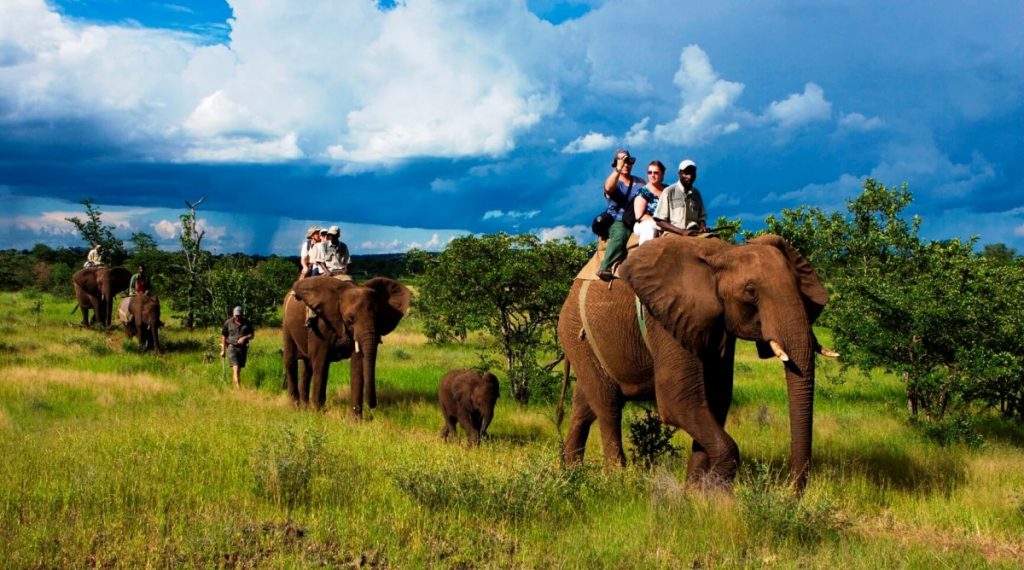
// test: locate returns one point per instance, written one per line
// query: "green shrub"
(950, 431)
(772, 510)
(651, 439)
(535, 489)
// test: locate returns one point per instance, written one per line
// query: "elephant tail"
(73, 309)
(560, 411)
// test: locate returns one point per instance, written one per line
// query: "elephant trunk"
(800, 386)
(368, 344)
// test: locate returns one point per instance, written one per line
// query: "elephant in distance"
(698, 295)
(140, 315)
(95, 289)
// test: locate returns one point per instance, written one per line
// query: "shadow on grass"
(387, 396)
(182, 345)
(896, 469)
(1001, 430)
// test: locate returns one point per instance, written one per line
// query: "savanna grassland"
(114, 458)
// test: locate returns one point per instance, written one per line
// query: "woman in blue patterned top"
(647, 200)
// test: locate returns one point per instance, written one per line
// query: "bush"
(651, 439)
(950, 431)
(527, 491)
(772, 510)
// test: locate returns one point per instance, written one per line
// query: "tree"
(510, 286)
(195, 262)
(999, 252)
(93, 232)
(945, 319)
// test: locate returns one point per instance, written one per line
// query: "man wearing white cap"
(681, 207)
(234, 342)
(332, 256)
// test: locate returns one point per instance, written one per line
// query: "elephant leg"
(469, 426)
(291, 369)
(718, 387)
(449, 425)
(683, 402)
(355, 392)
(579, 428)
(321, 371)
(305, 382)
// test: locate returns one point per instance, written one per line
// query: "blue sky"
(408, 123)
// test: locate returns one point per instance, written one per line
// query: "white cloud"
(166, 229)
(800, 108)
(708, 103)
(857, 122)
(515, 214)
(581, 234)
(363, 85)
(590, 142)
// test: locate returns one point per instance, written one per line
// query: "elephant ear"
(395, 299)
(811, 288)
(674, 279)
(321, 294)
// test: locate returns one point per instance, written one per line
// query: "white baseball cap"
(237, 312)
(686, 164)
(334, 230)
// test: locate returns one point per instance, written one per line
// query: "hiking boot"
(606, 275)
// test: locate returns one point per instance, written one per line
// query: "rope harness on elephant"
(587, 332)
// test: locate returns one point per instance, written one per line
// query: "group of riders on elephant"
(665, 331)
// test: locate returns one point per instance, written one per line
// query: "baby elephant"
(469, 398)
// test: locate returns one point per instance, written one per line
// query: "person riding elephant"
(467, 398)
(351, 320)
(140, 315)
(667, 331)
(95, 289)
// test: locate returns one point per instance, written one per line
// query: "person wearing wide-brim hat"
(312, 238)
(95, 256)
(681, 207)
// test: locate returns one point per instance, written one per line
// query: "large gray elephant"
(140, 315)
(698, 295)
(351, 320)
(95, 288)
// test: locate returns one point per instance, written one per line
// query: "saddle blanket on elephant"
(589, 271)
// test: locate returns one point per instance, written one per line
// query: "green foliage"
(651, 439)
(949, 431)
(15, 271)
(93, 232)
(195, 263)
(509, 286)
(728, 229)
(942, 317)
(774, 512)
(234, 282)
(536, 489)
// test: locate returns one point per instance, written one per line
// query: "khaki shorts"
(237, 355)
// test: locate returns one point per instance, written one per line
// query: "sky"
(408, 123)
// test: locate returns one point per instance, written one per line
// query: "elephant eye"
(750, 293)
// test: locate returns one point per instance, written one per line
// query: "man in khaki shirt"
(681, 207)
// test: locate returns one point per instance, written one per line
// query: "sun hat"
(312, 230)
(686, 164)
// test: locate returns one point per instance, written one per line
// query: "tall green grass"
(117, 458)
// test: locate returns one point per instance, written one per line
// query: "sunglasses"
(653, 172)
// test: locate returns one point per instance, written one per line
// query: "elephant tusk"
(357, 346)
(827, 352)
(777, 349)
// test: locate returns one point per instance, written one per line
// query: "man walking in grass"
(234, 341)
